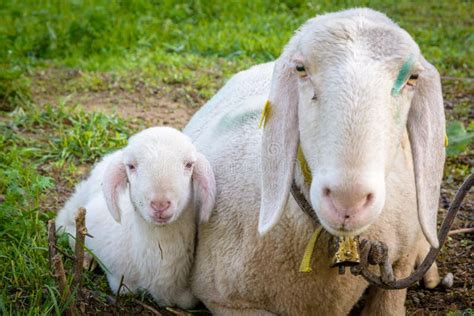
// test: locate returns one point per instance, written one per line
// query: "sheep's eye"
(301, 70)
(412, 80)
(189, 165)
(131, 167)
(315, 97)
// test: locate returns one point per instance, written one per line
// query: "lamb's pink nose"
(349, 202)
(160, 206)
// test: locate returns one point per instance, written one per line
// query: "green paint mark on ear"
(402, 76)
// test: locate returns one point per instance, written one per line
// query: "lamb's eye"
(189, 165)
(412, 80)
(301, 70)
(131, 167)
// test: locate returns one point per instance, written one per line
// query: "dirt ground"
(156, 107)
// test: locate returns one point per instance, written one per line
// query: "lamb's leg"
(185, 299)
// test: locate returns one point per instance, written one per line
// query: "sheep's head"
(347, 87)
(161, 167)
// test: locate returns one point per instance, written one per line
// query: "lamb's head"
(347, 88)
(164, 173)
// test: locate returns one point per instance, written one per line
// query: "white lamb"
(140, 204)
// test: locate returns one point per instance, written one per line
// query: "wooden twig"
(51, 241)
(64, 253)
(461, 231)
(60, 276)
(148, 307)
(57, 266)
(177, 311)
(79, 248)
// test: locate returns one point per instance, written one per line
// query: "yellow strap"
(265, 114)
(304, 166)
(446, 140)
(305, 265)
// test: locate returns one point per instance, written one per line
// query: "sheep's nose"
(349, 201)
(160, 206)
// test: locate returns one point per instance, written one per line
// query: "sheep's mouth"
(162, 220)
(344, 231)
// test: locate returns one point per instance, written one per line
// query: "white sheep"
(141, 204)
(353, 90)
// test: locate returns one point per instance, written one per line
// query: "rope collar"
(305, 265)
(304, 205)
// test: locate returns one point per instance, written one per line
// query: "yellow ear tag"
(265, 114)
(305, 265)
(446, 140)
(304, 166)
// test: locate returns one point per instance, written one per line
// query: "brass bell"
(344, 251)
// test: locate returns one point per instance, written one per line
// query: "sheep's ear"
(115, 180)
(204, 185)
(279, 144)
(426, 130)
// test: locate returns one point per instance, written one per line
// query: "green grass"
(108, 35)
(186, 49)
(51, 143)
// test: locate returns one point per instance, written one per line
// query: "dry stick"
(57, 266)
(64, 253)
(177, 311)
(51, 241)
(60, 277)
(461, 231)
(148, 307)
(79, 249)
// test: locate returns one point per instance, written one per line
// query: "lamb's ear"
(115, 180)
(426, 130)
(204, 185)
(279, 144)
